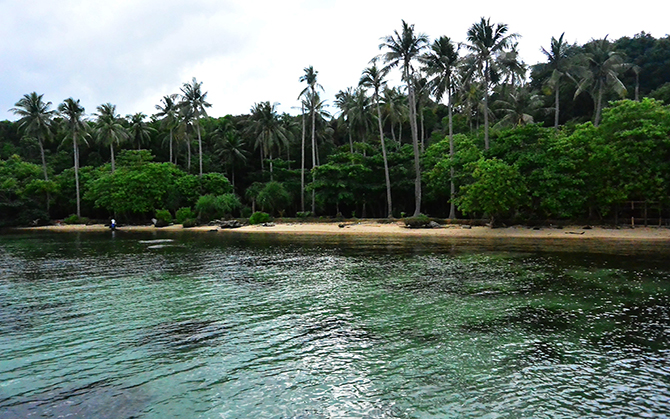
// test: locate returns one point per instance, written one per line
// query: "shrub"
(183, 214)
(245, 212)
(163, 218)
(303, 214)
(210, 207)
(420, 221)
(189, 222)
(259, 217)
(75, 219)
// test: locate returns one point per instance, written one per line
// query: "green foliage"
(23, 192)
(75, 219)
(134, 189)
(189, 222)
(303, 214)
(420, 221)
(498, 188)
(183, 214)
(163, 218)
(273, 197)
(259, 217)
(210, 207)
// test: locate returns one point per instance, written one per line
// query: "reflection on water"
(182, 325)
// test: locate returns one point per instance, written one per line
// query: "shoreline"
(396, 229)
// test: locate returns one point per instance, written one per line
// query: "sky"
(131, 53)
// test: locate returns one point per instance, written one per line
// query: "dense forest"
(471, 131)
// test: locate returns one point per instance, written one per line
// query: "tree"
(196, 100)
(273, 198)
(310, 95)
(440, 63)
(168, 110)
(599, 73)
(73, 117)
(109, 128)
(139, 130)
(517, 107)
(497, 189)
(559, 61)
(265, 126)
(486, 42)
(402, 49)
(232, 149)
(344, 100)
(373, 78)
(35, 122)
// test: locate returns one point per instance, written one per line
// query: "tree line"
(472, 131)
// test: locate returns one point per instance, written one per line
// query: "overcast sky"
(133, 52)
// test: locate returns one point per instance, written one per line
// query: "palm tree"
(109, 128)
(599, 72)
(73, 114)
(310, 92)
(440, 63)
(168, 109)
(35, 121)
(486, 42)
(402, 49)
(559, 60)
(265, 125)
(193, 98)
(139, 130)
(396, 109)
(184, 128)
(232, 149)
(373, 78)
(344, 100)
(517, 107)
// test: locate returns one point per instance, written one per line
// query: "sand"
(397, 229)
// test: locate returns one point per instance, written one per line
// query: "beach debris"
(230, 224)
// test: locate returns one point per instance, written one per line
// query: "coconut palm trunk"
(302, 160)
(76, 172)
(386, 162)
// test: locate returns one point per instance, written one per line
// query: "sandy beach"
(397, 229)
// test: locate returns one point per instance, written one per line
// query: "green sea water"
(221, 325)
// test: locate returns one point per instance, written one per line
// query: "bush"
(245, 212)
(303, 214)
(75, 219)
(189, 222)
(164, 215)
(259, 217)
(420, 221)
(183, 214)
(210, 207)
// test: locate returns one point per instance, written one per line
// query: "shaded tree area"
(468, 132)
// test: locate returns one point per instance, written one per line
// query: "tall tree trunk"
(452, 185)
(486, 111)
(302, 167)
(313, 152)
(171, 146)
(76, 171)
(599, 105)
(188, 148)
(111, 152)
(556, 107)
(44, 168)
(197, 128)
(386, 163)
(423, 134)
(415, 143)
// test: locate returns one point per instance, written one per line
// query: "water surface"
(226, 326)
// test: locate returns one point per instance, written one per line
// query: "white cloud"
(131, 53)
